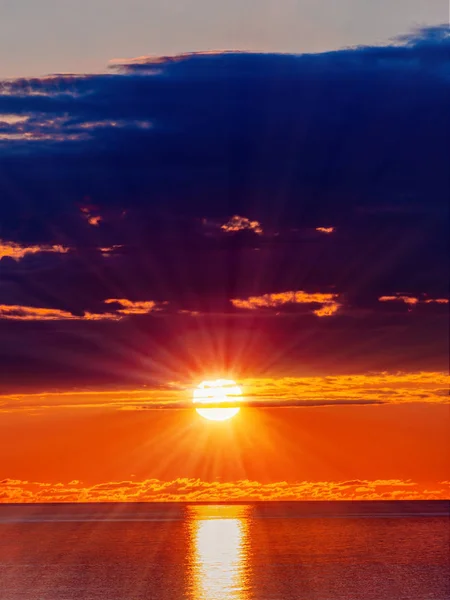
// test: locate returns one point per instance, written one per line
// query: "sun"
(215, 392)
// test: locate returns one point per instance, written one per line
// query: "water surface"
(264, 551)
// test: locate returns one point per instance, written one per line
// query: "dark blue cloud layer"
(276, 137)
(355, 139)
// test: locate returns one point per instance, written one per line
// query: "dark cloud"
(224, 134)
(136, 175)
(261, 403)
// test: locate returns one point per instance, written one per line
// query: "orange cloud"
(91, 218)
(115, 400)
(136, 308)
(393, 388)
(94, 220)
(197, 490)
(399, 298)
(17, 252)
(327, 310)
(109, 250)
(388, 388)
(237, 223)
(33, 313)
(325, 229)
(412, 300)
(329, 301)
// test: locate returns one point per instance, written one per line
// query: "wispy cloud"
(33, 313)
(391, 387)
(325, 229)
(18, 251)
(39, 127)
(120, 308)
(130, 307)
(413, 300)
(284, 392)
(328, 301)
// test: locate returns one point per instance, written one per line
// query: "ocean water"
(261, 551)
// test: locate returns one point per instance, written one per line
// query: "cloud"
(197, 490)
(258, 402)
(120, 307)
(32, 313)
(384, 387)
(29, 313)
(237, 223)
(328, 302)
(17, 251)
(399, 298)
(249, 136)
(92, 219)
(33, 128)
(203, 190)
(128, 307)
(412, 300)
(263, 392)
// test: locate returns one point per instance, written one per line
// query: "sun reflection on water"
(218, 552)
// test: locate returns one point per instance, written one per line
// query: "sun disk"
(215, 392)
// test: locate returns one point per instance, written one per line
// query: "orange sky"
(115, 449)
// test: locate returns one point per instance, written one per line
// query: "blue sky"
(47, 36)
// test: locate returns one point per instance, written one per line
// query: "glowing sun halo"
(215, 392)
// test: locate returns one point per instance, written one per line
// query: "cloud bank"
(196, 490)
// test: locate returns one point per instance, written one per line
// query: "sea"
(257, 551)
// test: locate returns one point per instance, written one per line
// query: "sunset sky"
(276, 214)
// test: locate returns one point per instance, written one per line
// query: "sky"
(273, 218)
(76, 36)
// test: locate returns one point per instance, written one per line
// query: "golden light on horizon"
(215, 392)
